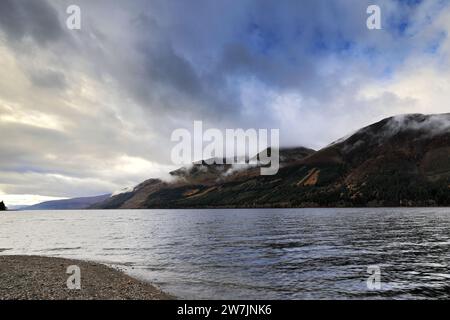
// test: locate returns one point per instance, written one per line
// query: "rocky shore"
(43, 278)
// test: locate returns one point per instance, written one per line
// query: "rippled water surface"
(251, 254)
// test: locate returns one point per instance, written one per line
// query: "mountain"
(68, 204)
(2, 206)
(188, 182)
(399, 161)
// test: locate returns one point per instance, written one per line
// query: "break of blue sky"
(91, 111)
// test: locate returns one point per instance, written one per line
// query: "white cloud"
(25, 199)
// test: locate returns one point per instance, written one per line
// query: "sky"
(91, 111)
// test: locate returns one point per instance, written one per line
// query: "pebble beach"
(44, 278)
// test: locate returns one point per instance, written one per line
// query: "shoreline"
(234, 208)
(45, 278)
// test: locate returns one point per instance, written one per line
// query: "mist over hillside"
(399, 161)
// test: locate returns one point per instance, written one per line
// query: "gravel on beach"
(43, 278)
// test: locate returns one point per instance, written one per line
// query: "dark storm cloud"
(195, 55)
(187, 58)
(48, 79)
(37, 20)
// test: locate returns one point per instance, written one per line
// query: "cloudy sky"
(90, 111)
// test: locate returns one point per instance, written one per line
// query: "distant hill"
(17, 207)
(68, 204)
(399, 161)
(2, 206)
